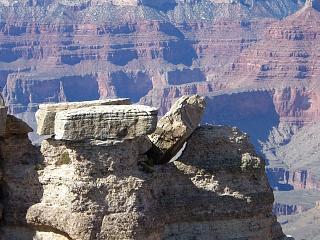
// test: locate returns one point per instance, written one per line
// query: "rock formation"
(47, 112)
(94, 188)
(105, 122)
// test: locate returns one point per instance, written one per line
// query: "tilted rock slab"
(105, 122)
(174, 128)
(46, 114)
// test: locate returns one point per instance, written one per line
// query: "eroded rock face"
(175, 127)
(87, 188)
(223, 179)
(20, 187)
(217, 188)
(46, 114)
(88, 185)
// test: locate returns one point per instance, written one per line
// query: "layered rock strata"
(105, 122)
(46, 114)
(94, 189)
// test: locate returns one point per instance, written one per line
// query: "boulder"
(105, 122)
(45, 116)
(174, 128)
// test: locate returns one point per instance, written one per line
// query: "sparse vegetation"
(64, 159)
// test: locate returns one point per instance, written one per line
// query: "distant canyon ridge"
(256, 62)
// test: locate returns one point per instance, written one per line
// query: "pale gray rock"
(174, 128)
(217, 189)
(105, 122)
(93, 188)
(46, 114)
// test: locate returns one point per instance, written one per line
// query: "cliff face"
(124, 48)
(299, 157)
(105, 187)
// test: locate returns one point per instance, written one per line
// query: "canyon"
(256, 62)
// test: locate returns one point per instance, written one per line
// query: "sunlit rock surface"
(95, 189)
(47, 112)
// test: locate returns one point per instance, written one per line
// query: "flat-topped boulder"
(105, 122)
(46, 114)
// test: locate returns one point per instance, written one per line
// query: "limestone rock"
(94, 185)
(216, 186)
(94, 189)
(105, 122)
(175, 127)
(46, 114)
(49, 236)
(217, 189)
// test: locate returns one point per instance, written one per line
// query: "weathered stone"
(3, 119)
(94, 189)
(46, 114)
(105, 122)
(211, 192)
(40, 235)
(19, 163)
(175, 127)
(15, 126)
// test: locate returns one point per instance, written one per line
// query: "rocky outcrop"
(20, 187)
(95, 189)
(174, 128)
